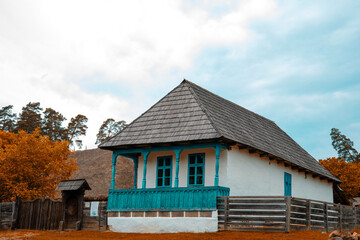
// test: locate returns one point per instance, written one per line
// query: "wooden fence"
(279, 213)
(95, 223)
(316, 215)
(6, 214)
(39, 214)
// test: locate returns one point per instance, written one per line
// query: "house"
(192, 146)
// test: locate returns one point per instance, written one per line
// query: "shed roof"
(73, 185)
(191, 113)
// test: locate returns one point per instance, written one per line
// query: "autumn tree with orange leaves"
(347, 172)
(32, 165)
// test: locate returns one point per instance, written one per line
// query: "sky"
(294, 62)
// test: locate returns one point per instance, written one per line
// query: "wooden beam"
(242, 147)
(294, 167)
(252, 151)
(279, 160)
(314, 175)
(304, 170)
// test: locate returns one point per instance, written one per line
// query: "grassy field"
(82, 235)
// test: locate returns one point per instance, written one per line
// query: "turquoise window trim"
(163, 168)
(287, 184)
(196, 165)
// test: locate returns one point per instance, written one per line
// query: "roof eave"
(162, 144)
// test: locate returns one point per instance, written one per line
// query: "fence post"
(15, 214)
(226, 207)
(0, 217)
(354, 213)
(287, 213)
(326, 217)
(308, 214)
(340, 218)
(356, 217)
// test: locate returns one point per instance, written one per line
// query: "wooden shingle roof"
(73, 185)
(190, 113)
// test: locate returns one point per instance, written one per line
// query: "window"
(196, 169)
(164, 170)
(287, 184)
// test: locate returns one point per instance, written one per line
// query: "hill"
(95, 165)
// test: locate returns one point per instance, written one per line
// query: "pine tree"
(52, 125)
(7, 119)
(76, 128)
(344, 146)
(30, 117)
(108, 129)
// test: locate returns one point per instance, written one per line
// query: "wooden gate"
(39, 214)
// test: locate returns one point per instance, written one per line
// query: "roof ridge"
(191, 83)
(127, 127)
(201, 106)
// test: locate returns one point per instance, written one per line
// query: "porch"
(165, 199)
(177, 196)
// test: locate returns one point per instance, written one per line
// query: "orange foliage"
(347, 172)
(32, 165)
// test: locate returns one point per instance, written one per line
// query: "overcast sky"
(294, 62)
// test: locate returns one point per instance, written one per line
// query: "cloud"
(64, 53)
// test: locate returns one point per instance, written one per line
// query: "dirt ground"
(82, 235)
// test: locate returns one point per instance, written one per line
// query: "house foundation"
(163, 221)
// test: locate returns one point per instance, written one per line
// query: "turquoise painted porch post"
(217, 155)
(177, 156)
(113, 170)
(145, 154)
(136, 161)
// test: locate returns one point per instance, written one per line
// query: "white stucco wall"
(250, 175)
(244, 173)
(210, 161)
(163, 224)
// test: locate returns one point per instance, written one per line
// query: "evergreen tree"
(344, 146)
(30, 117)
(76, 128)
(52, 125)
(7, 119)
(108, 129)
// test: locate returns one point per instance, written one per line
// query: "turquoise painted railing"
(165, 199)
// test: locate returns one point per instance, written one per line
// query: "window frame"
(163, 168)
(196, 165)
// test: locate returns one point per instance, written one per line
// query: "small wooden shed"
(72, 199)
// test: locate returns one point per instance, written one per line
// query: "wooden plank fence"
(6, 214)
(98, 223)
(279, 213)
(38, 214)
(252, 213)
(323, 216)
